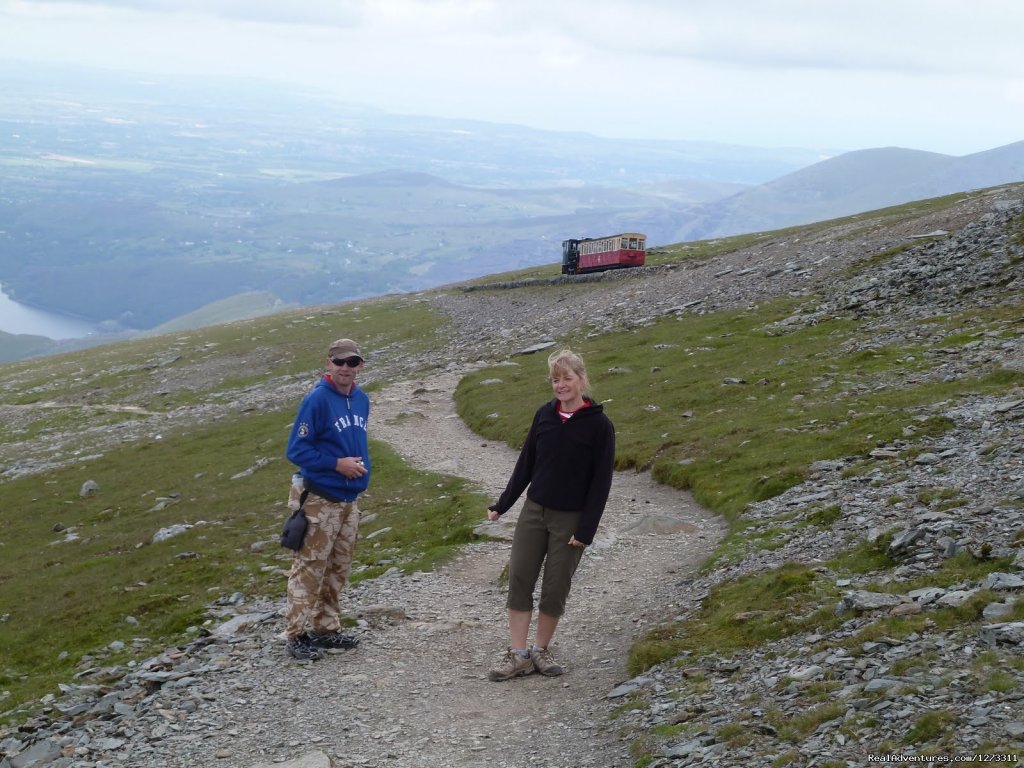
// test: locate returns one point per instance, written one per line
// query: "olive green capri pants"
(542, 539)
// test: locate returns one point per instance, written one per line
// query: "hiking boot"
(511, 665)
(545, 663)
(299, 647)
(333, 640)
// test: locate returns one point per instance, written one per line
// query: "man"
(328, 443)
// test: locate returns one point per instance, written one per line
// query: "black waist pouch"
(294, 530)
(320, 492)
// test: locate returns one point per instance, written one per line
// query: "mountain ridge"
(854, 182)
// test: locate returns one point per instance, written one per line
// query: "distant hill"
(134, 250)
(852, 183)
(241, 306)
(20, 346)
(1002, 165)
(132, 201)
(135, 202)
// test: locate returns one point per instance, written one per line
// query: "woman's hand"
(573, 542)
(492, 515)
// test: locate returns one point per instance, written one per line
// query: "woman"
(567, 463)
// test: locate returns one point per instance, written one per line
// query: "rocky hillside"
(875, 685)
(920, 652)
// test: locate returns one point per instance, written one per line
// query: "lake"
(17, 318)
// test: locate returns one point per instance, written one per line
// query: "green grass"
(66, 600)
(664, 387)
(77, 595)
(824, 517)
(796, 727)
(929, 727)
(744, 613)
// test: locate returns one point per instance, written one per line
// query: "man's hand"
(351, 467)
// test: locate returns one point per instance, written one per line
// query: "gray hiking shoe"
(299, 647)
(511, 665)
(545, 663)
(333, 640)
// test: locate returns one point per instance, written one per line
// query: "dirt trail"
(415, 693)
(420, 687)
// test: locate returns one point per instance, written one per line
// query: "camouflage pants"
(321, 567)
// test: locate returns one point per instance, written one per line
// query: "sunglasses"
(351, 362)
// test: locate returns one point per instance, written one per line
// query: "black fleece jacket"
(567, 465)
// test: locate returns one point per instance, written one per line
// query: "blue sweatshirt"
(329, 426)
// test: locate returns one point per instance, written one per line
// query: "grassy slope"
(801, 399)
(65, 601)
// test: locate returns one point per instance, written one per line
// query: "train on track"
(596, 254)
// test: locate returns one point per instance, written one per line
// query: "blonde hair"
(565, 360)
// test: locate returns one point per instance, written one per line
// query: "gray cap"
(343, 348)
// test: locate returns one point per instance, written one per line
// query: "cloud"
(342, 13)
(850, 73)
(908, 36)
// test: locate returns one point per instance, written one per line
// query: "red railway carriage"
(594, 254)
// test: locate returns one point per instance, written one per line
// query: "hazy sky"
(940, 75)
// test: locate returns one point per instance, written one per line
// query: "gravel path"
(415, 693)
